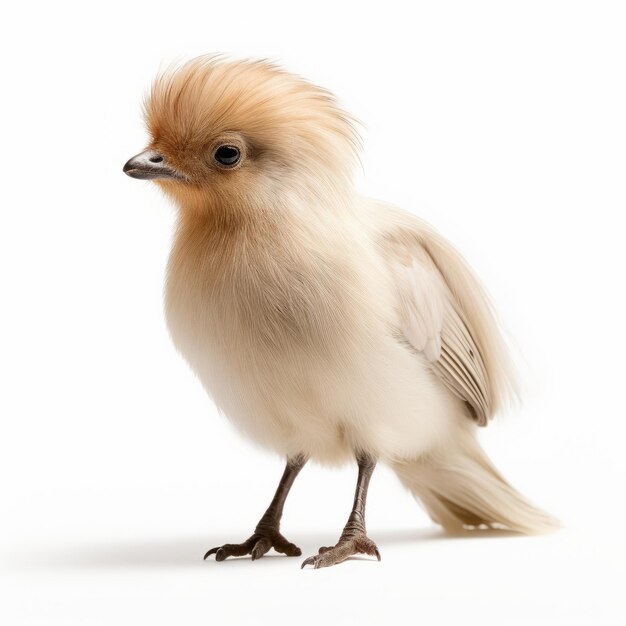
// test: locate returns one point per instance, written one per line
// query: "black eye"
(227, 155)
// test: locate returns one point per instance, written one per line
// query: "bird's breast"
(248, 311)
(296, 349)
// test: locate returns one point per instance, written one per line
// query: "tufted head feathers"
(225, 130)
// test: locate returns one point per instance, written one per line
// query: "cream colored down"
(320, 322)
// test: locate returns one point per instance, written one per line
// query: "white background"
(503, 123)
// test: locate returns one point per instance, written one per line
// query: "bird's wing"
(446, 315)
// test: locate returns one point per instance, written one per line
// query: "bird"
(325, 325)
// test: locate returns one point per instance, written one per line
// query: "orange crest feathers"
(282, 117)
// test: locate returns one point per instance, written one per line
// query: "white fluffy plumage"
(321, 323)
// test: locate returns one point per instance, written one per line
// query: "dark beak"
(150, 164)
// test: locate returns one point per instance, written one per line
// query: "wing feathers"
(461, 385)
(423, 314)
(445, 314)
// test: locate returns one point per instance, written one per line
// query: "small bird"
(325, 325)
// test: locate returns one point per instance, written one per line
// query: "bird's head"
(239, 132)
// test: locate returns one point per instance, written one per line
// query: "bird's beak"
(150, 164)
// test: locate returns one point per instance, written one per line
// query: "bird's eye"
(227, 155)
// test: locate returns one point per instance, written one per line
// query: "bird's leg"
(354, 539)
(266, 534)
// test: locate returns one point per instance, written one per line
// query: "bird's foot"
(256, 546)
(345, 548)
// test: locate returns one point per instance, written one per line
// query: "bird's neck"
(273, 215)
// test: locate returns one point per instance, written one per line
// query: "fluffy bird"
(325, 325)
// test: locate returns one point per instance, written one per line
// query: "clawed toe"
(344, 549)
(210, 552)
(287, 548)
(256, 547)
(230, 549)
(309, 561)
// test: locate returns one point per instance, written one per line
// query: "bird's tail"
(460, 489)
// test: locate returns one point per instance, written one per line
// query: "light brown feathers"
(287, 127)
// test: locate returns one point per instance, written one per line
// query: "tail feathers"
(460, 488)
